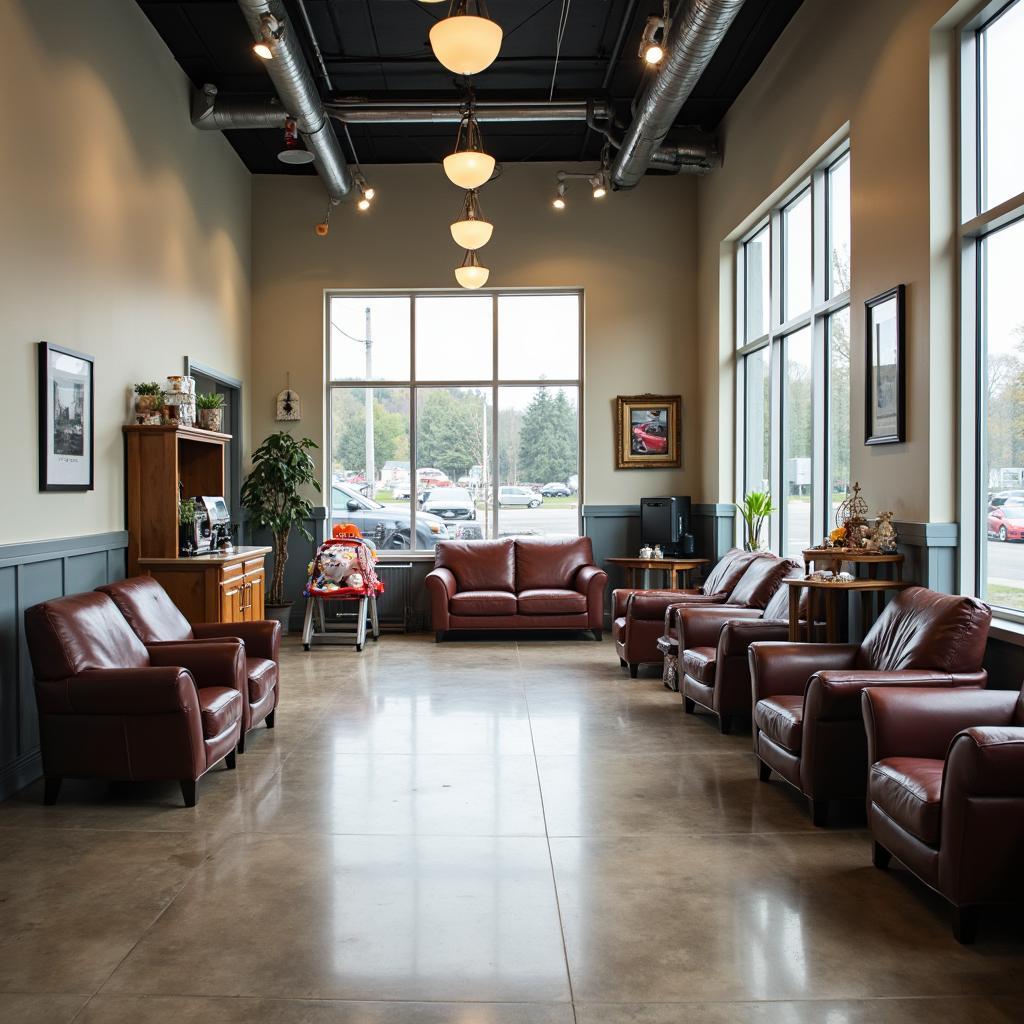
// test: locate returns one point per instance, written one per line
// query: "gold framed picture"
(648, 434)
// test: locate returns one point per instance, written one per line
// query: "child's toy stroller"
(340, 562)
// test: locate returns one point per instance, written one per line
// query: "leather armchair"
(111, 708)
(155, 619)
(946, 792)
(807, 721)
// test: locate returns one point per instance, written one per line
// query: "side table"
(671, 567)
(830, 596)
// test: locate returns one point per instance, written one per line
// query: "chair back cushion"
(69, 635)
(762, 580)
(724, 576)
(479, 564)
(550, 563)
(922, 628)
(778, 606)
(148, 609)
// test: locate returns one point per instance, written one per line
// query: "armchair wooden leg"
(231, 760)
(270, 719)
(622, 662)
(965, 924)
(880, 856)
(819, 812)
(51, 788)
(634, 669)
(764, 772)
(190, 791)
(688, 706)
(725, 724)
(241, 743)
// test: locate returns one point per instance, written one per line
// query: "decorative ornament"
(289, 405)
(851, 516)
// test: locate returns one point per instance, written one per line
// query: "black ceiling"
(378, 49)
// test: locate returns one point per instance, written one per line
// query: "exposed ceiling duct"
(697, 28)
(294, 85)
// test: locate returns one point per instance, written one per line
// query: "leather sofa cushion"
(262, 675)
(781, 719)
(909, 790)
(778, 606)
(148, 609)
(699, 664)
(550, 563)
(220, 707)
(552, 601)
(479, 564)
(483, 602)
(762, 579)
(726, 574)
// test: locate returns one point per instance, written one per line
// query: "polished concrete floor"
(478, 833)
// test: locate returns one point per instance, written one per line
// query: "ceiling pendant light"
(293, 152)
(470, 274)
(469, 166)
(471, 231)
(466, 43)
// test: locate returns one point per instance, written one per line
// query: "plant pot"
(280, 613)
(211, 419)
(147, 407)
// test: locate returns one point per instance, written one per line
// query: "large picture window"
(454, 416)
(793, 356)
(992, 251)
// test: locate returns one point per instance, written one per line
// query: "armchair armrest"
(737, 635)
(701, 625)
(262, 638)
(444, 580)
(653, 604)
(590, 576)
(835, 696)
(987, 760)
(784, 668)
(919, 722)
(441, 588)
(211, 664)
(119, 691)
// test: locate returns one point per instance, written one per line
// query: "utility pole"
(371, 475)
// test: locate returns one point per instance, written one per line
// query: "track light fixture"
(467, 41)
(471, 231)
(469, 273)
(271, 33)
(652, 42)
(559, 201)
(599, 183)
(469, 166)
(366, 193)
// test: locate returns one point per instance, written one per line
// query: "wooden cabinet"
(219, 587)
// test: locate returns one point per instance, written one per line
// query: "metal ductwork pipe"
(697, 28)
(214, 113)
(451, 113)
(294, 84)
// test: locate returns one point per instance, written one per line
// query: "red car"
(647, 439)
(1007, 521)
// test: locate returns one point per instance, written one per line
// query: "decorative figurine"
(885, 533)
(658, 552)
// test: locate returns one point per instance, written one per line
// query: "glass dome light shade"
(472, 234)
(472, 277)
(465, 44)
(469, 168)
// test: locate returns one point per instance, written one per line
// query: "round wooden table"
(671, 567)
(833, 559)
(830, 596)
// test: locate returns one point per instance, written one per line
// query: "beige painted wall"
(633, 254)
(125, 235)
(864, 64)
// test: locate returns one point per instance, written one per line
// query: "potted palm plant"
(281, 467)
(756, 508)
(211, 410)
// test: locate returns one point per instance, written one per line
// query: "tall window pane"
(1002, 309)
(797, 441)
(369, 337)
(838, 410)
(839, 226)
(454, 337)
(756, 281)
(538, 461)
(757, 421)
(796, 239)
(538, 337)
(1001, 43)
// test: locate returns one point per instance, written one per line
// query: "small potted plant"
(756, 508)
(281, 466)
(148, 400)
(187, 526)
(211, 410)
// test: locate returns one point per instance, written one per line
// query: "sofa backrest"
(148, 609)
(726, 574)
(479, 564)
(778, 606)
(762, 580)
(922, 628)
(546, 563)
(73, 634)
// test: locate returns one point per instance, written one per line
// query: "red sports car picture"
(650, 431)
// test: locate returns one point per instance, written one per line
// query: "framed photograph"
(65, 419)
(885, 379)
(648, 434)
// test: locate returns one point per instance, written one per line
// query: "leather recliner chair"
(638, 616)
(111, 708)
(807, 717)
(155, 619)
(946, 792)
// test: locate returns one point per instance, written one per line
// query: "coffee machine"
(213, 524)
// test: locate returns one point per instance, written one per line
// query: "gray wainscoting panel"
(714, 529)
(614, 532)
(30, 573)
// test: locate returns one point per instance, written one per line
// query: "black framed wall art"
(885, 376)
(66, 417)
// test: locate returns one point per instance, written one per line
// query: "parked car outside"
(554, 490)
(521, 497)
(1002, 497)
(389, 527)
(648, 440)
(1006, 521)
(450, 503)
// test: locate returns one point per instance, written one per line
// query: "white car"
(522, 497)
(450, 503)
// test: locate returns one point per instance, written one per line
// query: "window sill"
(1007, 630)
(405, 556)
